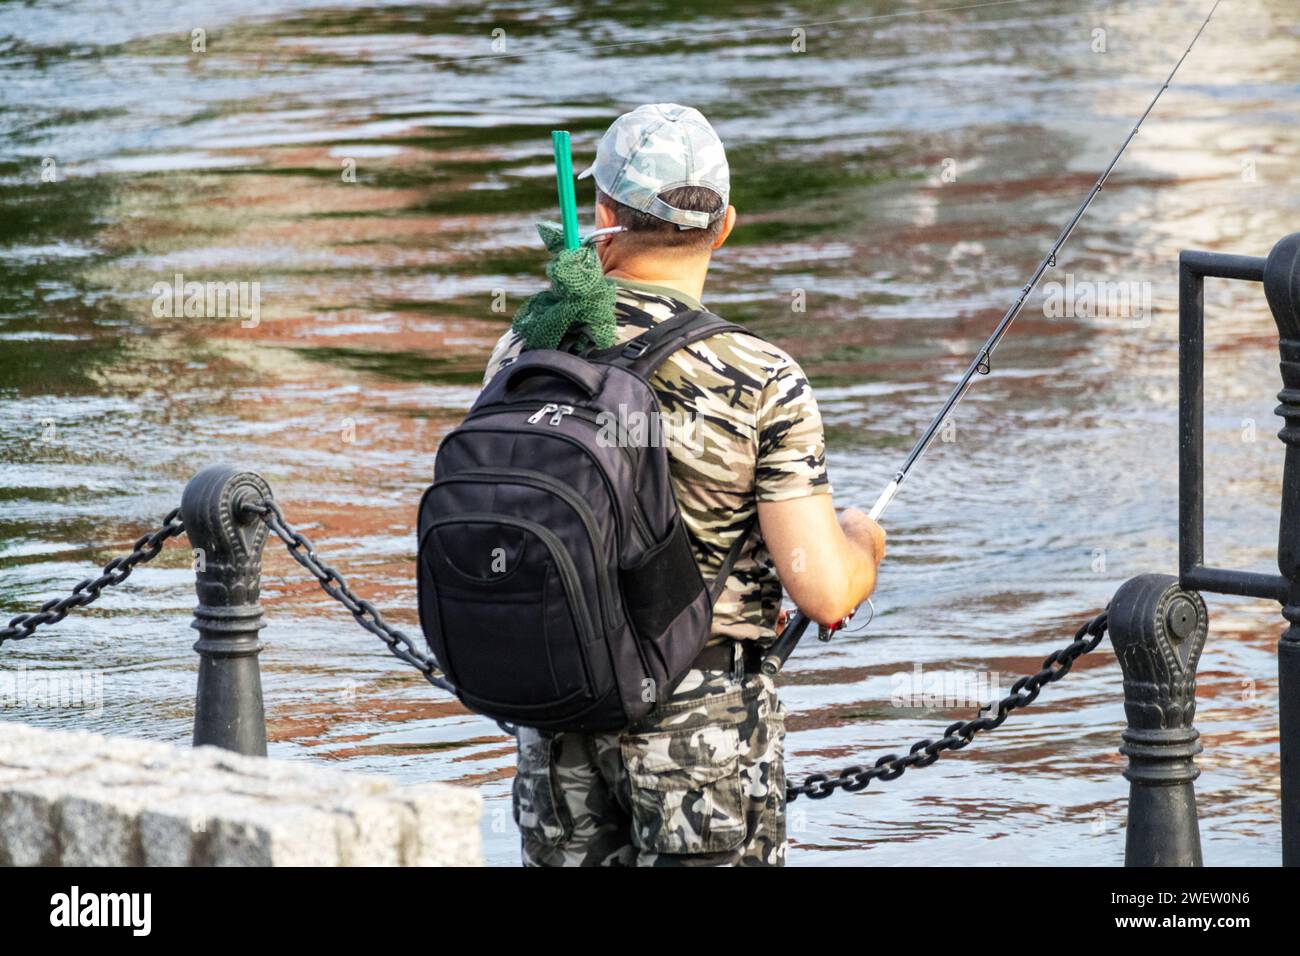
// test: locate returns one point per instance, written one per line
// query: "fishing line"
(981, 365)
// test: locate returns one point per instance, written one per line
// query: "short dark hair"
(647, 231)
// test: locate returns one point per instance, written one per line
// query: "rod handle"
(780, 651)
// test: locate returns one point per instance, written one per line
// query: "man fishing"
(699, 781)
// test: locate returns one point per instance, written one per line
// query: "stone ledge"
(81, 799)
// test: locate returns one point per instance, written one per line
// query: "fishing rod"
(981, 365)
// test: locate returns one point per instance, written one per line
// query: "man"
(700, 781)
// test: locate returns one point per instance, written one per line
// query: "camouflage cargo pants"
(700, 782)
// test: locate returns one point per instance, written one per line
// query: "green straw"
(564, 182)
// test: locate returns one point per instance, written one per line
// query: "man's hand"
(863, 532)
(827, 564)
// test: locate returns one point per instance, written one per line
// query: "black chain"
(304, 552)
(115, 572)
(925, 752)
(816, 786)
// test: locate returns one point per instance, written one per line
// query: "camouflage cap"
(656, 148)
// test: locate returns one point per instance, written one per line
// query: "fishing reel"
(785, 644)
(825, 633)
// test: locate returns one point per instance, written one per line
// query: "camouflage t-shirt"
(741, 426)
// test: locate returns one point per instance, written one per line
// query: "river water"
(376, 170)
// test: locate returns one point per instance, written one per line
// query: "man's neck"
(681, 274)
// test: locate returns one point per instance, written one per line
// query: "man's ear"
(604, 216)
(728, 224)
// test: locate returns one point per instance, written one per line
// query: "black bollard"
(1282, 287)
(228, 541)
(1158, 630)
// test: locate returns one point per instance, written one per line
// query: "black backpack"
(557, 586)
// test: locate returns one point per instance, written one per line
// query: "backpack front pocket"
(506, 613)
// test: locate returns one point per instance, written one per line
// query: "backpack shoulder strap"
(719, 583)
(645, 353)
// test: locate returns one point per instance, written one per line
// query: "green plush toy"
(580, 300)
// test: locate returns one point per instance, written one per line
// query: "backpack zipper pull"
(560, 413)
(536, 416)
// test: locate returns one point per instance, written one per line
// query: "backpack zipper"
(638, 518)
(540, 410)
(559, 410)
